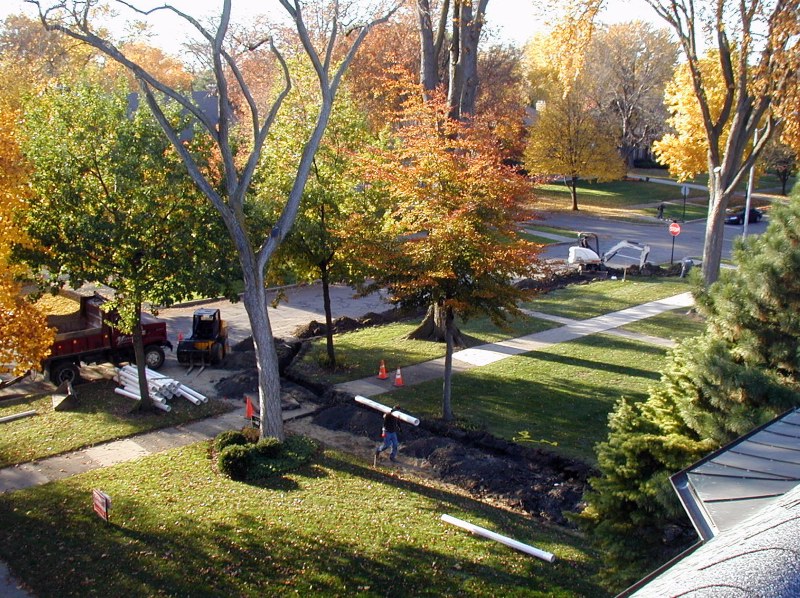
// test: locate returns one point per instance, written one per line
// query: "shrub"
(647, 163)
(251, 434)
(234, 461)
(291, 454)
(268, 448)
(228, 438)
(300, 448)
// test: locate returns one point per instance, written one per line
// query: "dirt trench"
(533, 481)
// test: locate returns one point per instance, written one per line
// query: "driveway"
(301, 305)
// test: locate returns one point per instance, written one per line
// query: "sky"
(513, 19)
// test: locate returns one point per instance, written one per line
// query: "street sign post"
(684, 192)
(674, 230)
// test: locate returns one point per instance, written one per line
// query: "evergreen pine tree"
(743, 371)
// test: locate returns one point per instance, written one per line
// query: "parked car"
(737, 216)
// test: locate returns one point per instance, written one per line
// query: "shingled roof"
(744, 501)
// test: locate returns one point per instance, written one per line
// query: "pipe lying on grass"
(384, 409)
(12, 417)
(475, 529)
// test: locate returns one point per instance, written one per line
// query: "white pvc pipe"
(189, 397)
(384, 409)
(153, 373)
(161, 388)
(126, 393)
(11, 418)
(194, 393)
(475, 529)
(134, 390)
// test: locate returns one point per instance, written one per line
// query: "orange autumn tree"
(25, 338)
(447, 235)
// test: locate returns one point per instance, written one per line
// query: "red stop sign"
(674, 229)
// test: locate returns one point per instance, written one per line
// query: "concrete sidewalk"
(46, 470)
(39, 472)
(127, 449)
(485, 354)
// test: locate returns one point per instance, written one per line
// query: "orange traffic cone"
(398, 378)
(249, 411)
(382, 375)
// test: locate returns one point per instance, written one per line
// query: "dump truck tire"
(64, 371)
(153, 357)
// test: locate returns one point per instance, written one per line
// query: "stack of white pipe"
(160, 387)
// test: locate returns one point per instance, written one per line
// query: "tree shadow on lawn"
(564, 409)
(283, 483)
(248, 551)
(604, 366)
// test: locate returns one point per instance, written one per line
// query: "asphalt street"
(655, 233)
(302, 304)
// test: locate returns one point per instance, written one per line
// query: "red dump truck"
(88, 335)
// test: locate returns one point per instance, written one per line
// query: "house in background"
(744, 502)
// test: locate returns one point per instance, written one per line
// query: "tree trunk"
(715, 228)
(326, 300)
(468, 18)
(434, 328)
(573, 189)
(138, 351)
(456, 77)
(429, 60)
(447, 410)
(470, 36)
(269, 382)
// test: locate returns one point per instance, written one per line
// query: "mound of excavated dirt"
(535, 481)
(530, 481)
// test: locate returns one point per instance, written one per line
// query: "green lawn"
(101, 415)
(358, 353)
(674, 211)
(614, 194)
(536, 238)
(581, 302)
(766, 181)
(677, 325)
(560, 397)
(333, 528)
(557, 398)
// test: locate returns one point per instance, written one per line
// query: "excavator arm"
(643, 252)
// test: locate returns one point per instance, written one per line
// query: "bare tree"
(73, 18)
(759, 56)
(627, 68)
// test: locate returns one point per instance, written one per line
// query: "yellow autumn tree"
(686, 150)
(568, 140)
(25, 338)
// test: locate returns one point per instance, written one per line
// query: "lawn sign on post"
(102, 504)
